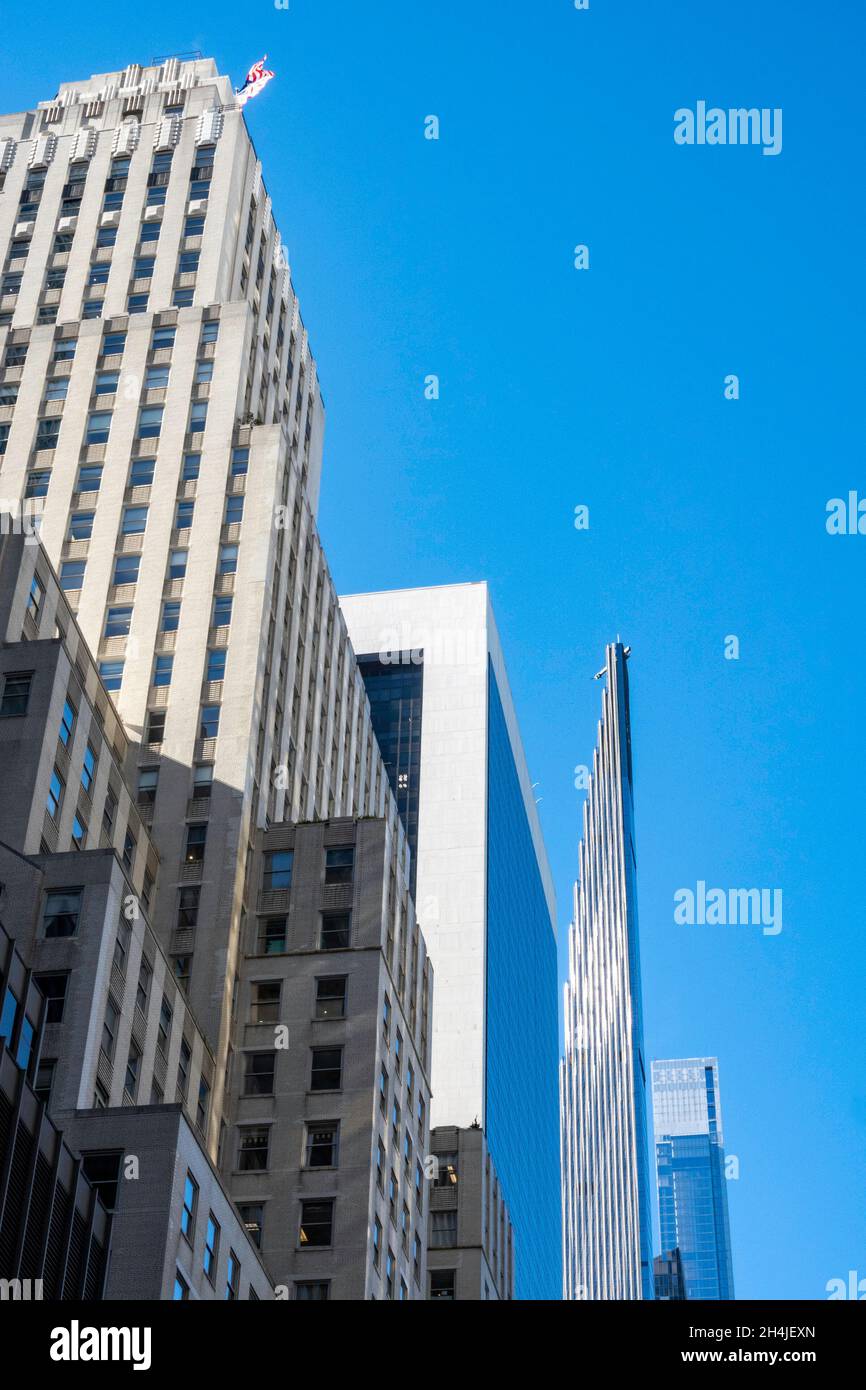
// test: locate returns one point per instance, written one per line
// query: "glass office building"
(690, 1164)
(442, 712)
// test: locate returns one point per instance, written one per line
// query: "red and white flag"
(257, 79)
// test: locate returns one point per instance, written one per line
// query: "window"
(222, 610)
(150, 422)
(259, 1073)
(35, 597)
(111, 674)
(377, 1242)
(202, 781)
(187, 263)
(56, 390)
(156, 726)
(129, 845)
(141, 473)
(191, 464)
(197, 414)
(105, 237)
(72, 574)
(156, 378)
(98, 427)
(162, 668)
(109, 1027)
(228, 560)
(16, 694)
(164, 1025)
(44, 1079)
(234, 514)
(113, 343)
(339, 864)
(386, 1018)
(136, 304)
(272, 936)
(443, 1228)
(240, 462)
(142, 991)
(390, 1268)
(55, 794)
(446, 1170)
(81, 526)
(187, 909)
(149, 232)
(216, 665)
(202, 1106)
(331, 997)
(109, 811)
(130, 1080)
(47, 433)
(89, 477)
(38, 481)
(126, 569)
(183, 1066)
(183, 515)
(317, 1224)
(442, 1283)
(380, 1165)
(53, 988)
(177, 564)
(64, 349)
(326, 1069)
(106, 383)
(210, 721)
(148, 779)
(211, 1247)
(79, 831)
(321, 1145)
(196, 836)
(180, 1293)
(170, 616)
(92, 309)
(253, 1150)
(194, 226)
(278, 870)
(134, 521)
(118, 621)
(163, 338)
(99, 273)
(253, 1216)
(233, 1276)
(102, 1170)
(265, 1001)
(336, 931)
(190, 1202)
(143, 268)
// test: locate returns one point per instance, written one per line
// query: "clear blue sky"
(560, 387)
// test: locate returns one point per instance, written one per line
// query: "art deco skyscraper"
(606, 1202)
(160, 410)
(690, 1163)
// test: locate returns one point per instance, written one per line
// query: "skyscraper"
(690, 1163)
(161, 420)
(606, 1201)
(440, 700)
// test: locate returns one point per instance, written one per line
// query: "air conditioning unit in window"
(197, 205)
(67, 224)
(110, 219)
(24, 228)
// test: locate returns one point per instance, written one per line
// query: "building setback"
(690, 1169)
(605, 1168)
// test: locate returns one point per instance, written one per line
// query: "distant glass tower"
(668, 1274)
(605, 1161)
(395, 690)
(690, 1162)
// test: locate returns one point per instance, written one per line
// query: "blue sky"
(605, 387)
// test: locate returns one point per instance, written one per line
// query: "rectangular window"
(170, 616)
(322, 1144)
(47, 434)
(198, 412)
(156, 378)
(234, 513)
(209, 722)
(134, 521)
(126, 569)
(336, 931)
(141, 472)
(37, 483)
(253, 1216)
(55, 794)
(228, 559)
(187, 263)
(272, 936)
(183, 515)
(317, 1224)
(56, 390)
(106, 383)
(240, 462)
(233, 1276)
(110, 1024)
(81, 526)
(177, 564)
(202, 781)
(16, 694)
(133, 1064)
(191, 465)
(326, 1069)
(222, 610)
(150, 422)
(216, 664)
(163, 338)
(339, 864)
(117, 621)
(187, 909)
(79, 831)
(265, 1001)
(190, 1202)
(113, 343)
(196, 837)
(111, 674)
(278, 870)
(162, 668)
(156, 726)
(148, 779)
(98, 427)
(259, 1073)
(253, 1150)
(180, 1293)
(53, 987)
(72, 575)
(163, 1031)
(89, 477)
(331, 997)
(211, 1247)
